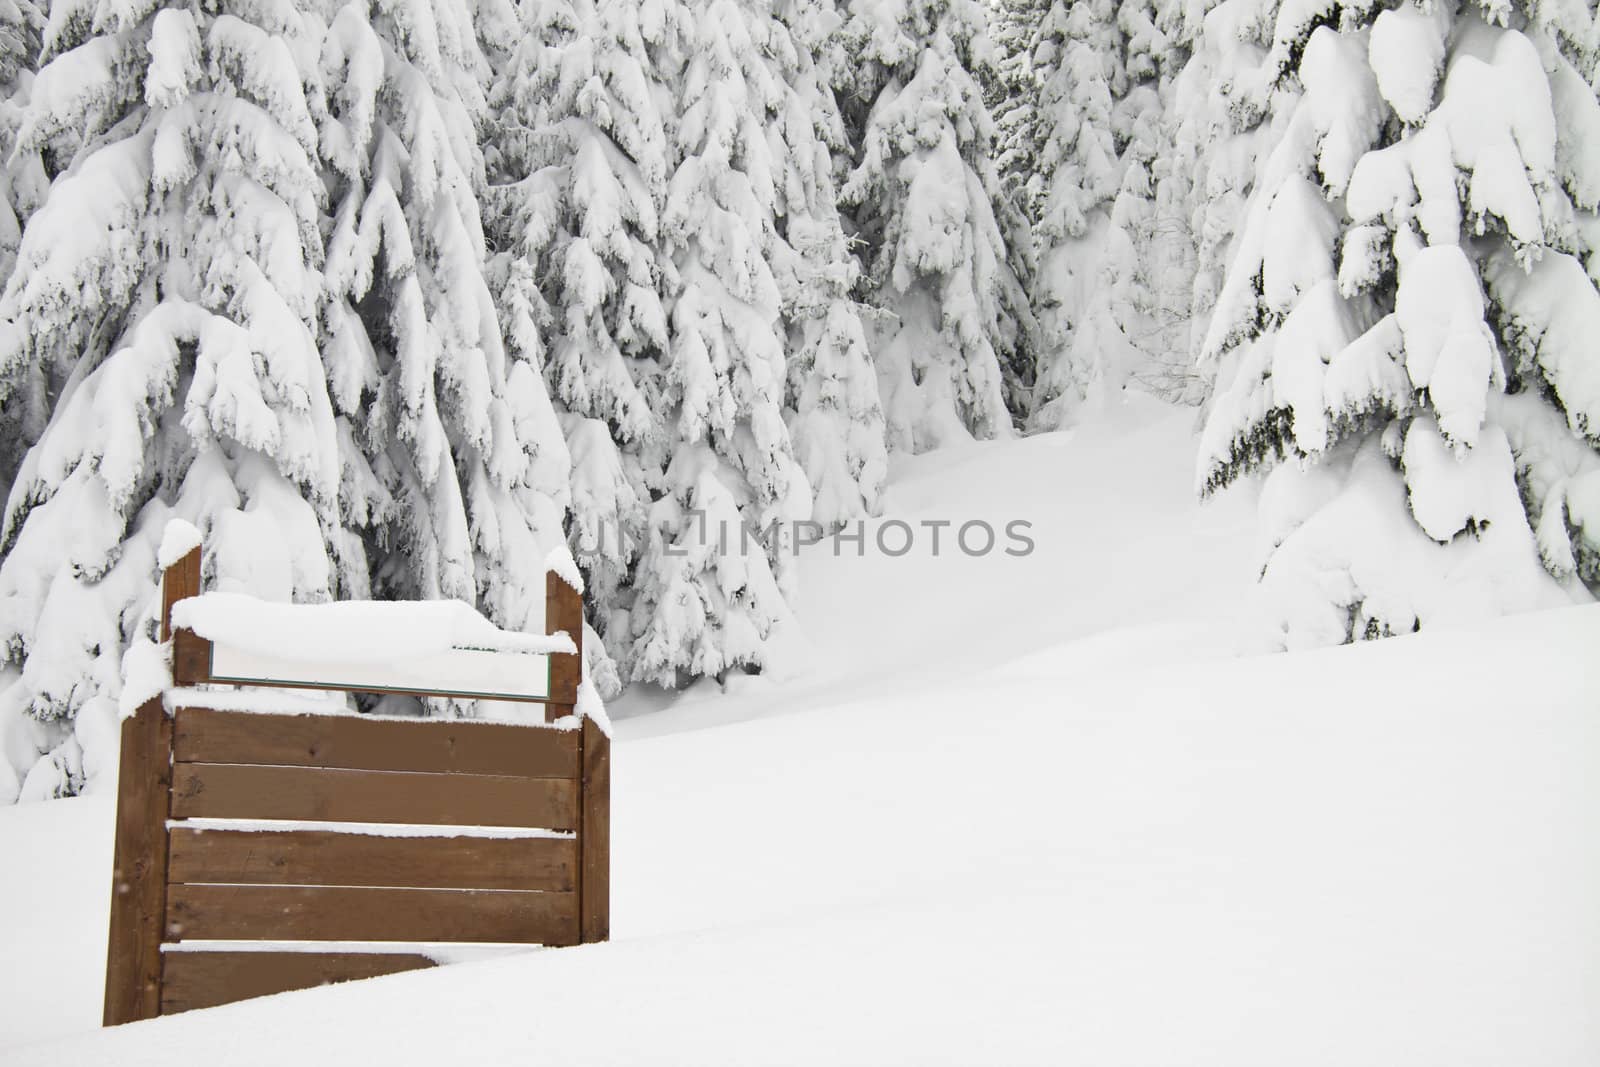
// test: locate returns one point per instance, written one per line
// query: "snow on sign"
(420, 647)
(258, 853)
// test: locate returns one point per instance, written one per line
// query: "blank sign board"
(465, 672)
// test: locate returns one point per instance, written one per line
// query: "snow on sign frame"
(261, 852)
(458, 671)
(430, 648)
(484, 674)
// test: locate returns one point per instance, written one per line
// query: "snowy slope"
(1121, 545)
(1093, 837)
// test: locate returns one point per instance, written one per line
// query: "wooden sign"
(258, 853)
(429, 648)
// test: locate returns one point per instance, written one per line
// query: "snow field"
(1376, 855)
(1084, 831)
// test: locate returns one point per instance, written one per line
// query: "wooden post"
(139, 868)
(594, 836)
(139, 860)
(191, 653)
(563, 611)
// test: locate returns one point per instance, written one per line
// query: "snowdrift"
(986, 825)
(1384, 854)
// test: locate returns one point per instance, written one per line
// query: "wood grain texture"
(206, 736)
(139, 868)
(236, 791)
(594, 835)
(191, 659)
(341, 913)
(318, 885)
(191, 653)
(310, 857)
(563, 613)
(178, 581)
(206, 979)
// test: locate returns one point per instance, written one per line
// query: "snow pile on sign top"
(363, 631)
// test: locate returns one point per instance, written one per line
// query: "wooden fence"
(193, 887)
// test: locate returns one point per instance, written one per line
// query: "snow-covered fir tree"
(943, 251)
(746, 148)
(161, 323)
(1011, 91)
(1100, 68)
(1217, 117)
(834, 413)
(451, 458)
(582, 156)
(397, 299)
(668, 210)
(22, 184)
(1407, 329)
(20, 23)
(1078, 59)
(1149, 254)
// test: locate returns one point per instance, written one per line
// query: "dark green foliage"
(1270, 440)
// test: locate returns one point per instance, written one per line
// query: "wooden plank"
(191, 659)
(139, 868)
(206, 736)
(191, 653)
(206, 979)
(312, 857)
(563, 612)
(178, 581)
(594, 835)
(235, 791)
(342, 913)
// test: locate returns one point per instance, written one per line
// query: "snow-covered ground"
(1089, 831)
(1122, 551)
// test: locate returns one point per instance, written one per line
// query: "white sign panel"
(463, 672)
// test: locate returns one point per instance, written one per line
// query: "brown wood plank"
(206, 979)
(563, 612)
(206, 736)
(191, 653)
(236, 791)
(594, 835)
(342, 913)
(139, 868)
(178, 581)
(191, 659)
(310, 857)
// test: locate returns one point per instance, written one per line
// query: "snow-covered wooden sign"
(257, 853)
(440, 648)
(422, 647)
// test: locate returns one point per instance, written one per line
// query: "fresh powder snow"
(353, 631)
(1086, 512)
(1388, 846)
